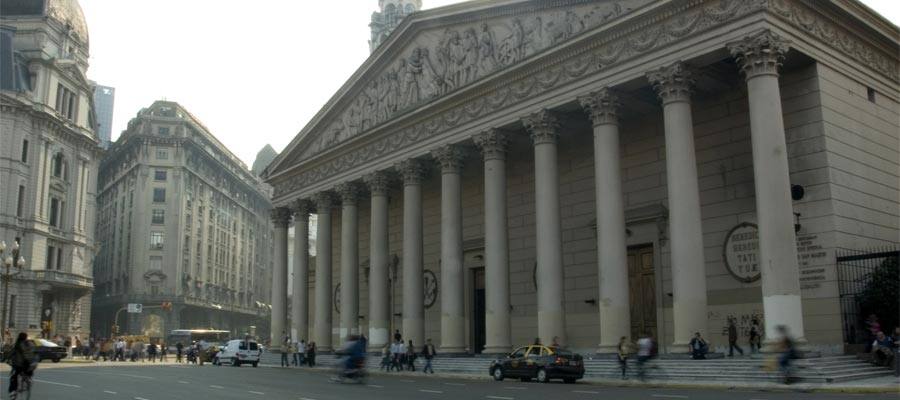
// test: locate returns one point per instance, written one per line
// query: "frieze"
(615, 46)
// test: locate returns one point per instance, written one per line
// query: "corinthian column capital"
(760, 53)
(412, 170)
(281, 216)
(379, 182)
(543, 126)
(493, 143)
(672, 83)
(602, 106)
(449, 157)
(349, 192)
(301, 209)
(324, 201)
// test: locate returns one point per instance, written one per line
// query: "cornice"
(51, 123)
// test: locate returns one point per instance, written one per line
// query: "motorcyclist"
(355, 356)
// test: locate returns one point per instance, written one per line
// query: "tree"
(882, 294)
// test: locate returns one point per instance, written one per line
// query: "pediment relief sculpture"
(440, 61)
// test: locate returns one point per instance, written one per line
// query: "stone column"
(544, 129)
(413, 292)
(759, 57)
(615, 317)
(493, 144)
(300, 294)
(379, 307)
(673, 84)
(324, 202)
(281, 216)
(349, 260)
(453, 322)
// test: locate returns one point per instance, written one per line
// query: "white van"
(237, 352)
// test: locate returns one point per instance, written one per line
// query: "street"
(171, 382)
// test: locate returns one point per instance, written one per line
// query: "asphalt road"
(128, 381)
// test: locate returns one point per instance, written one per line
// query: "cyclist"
(21, 359)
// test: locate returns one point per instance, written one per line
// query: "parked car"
(47, 350)
(237, 352)
(542, 363)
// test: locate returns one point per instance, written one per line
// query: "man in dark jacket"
(732, 339)
(428, 352)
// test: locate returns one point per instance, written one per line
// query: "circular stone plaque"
(741, 252)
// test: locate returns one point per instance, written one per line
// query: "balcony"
(58, 279)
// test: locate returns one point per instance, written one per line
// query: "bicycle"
(23, 387)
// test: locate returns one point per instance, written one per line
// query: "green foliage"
(882, 295)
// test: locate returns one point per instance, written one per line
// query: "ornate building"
(49, 155)
(586, 170)
(182, 221)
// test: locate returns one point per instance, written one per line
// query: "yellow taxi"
(539, 362)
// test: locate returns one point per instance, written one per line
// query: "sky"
(254, 72)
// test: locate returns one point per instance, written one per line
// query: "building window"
(25, 150)
(154, 290)
(156, 240)
(870, 94)
(163, 130)
(59, 166)
(59, 258)
(159, 217)
(51, 256)
(159, 175)
(162, 154)
(20, 203)
(66, 102)
(159, 195)
(55, 212)
(155, 263)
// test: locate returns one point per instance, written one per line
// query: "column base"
(500, 349)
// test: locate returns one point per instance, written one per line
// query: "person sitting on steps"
(699, 347)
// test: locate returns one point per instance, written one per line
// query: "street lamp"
(15, 261)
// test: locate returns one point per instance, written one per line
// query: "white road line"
(139, 398)
(430, 391)
(375, 386)
(515, 388)
(56, 383)
(585, 391)
(217, 387)
(259, 393)
(499, 397)
(454, 384)
(183, 382)
(670, 396)
(107, 391)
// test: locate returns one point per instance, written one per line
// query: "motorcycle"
(351, 371)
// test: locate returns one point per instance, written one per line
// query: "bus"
(188, 336)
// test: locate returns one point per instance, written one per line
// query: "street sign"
(135, 308)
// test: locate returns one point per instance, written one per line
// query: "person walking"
(755, 336)
(20, 358)
(119, 355)
(285, 350)
(311, 354)
(623, 350)
(428, 352)
(645, 351)
(732, 338)
(395, 356)
(301, 352)
(151, 352)
(410, 357)
(179, 352)
(787, 355)
(385, 359)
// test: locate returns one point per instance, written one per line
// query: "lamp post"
(15, 261)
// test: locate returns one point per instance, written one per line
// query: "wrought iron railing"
(857, 273)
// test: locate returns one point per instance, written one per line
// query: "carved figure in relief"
(470, 56)
(487, 56)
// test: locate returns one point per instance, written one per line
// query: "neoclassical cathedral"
(584, 170)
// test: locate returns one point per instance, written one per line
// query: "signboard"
(135, 308)
(741, 252)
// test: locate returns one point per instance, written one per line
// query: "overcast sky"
(254, 72)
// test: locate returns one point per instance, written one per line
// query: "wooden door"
(642, 291)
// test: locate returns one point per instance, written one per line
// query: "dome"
(66, 12)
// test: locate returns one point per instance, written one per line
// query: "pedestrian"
(285, 350)
(20, 358)
(296, 354)
(179, 349)
(645, 351)
(788, 352)
(301, 352)
(119, 355)
(401, 351)
(311, 354)
(732, 338)
(397, 336)
(395, 356)
(755, 336)
(411, 357)
(622, 351)
(151, 352)
(163, 352)
(699, 347)
(385, 358)
(428, 352)
(883, 350)
(556, 342)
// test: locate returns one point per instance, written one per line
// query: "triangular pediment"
(435, 53)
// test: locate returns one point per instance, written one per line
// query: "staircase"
(828, 369)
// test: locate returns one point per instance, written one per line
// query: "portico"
(601, 142)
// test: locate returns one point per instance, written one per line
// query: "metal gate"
(855, 271)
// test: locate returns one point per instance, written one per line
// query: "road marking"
(183, 382)
(107, 391)
(56, 383)
(375, 386)
(515, 388)
(139, 398)
(217, 387)
(585, 391)
(454, 384)
(499, 397)
(430, 391)
(670, 396)
(259, 393)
